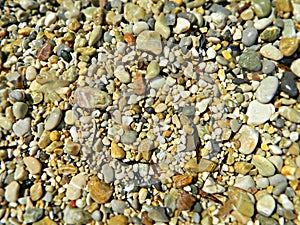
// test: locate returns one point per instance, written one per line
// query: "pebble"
(17, 95)
(95, 35)
(244, 183)
(45, 52)
(45, 221)
(288, 85)
(116, 151)
(76, 216)
(295, 67)
(33, 214)
(20, 110)
(184, 201)
(100, 191)
(22, 127)
(133, 13)
(96, 215)
(262, 23)
(91, 98)
(288, 46)
(76, 185)
(161, 26)
(249, 36)
(36, 191)
(129, 137)
(291, 114)
(139, 84)
(161, 107)
(12, 191)
(267, 89)
(250, 60)
(268, 66)
(182, 25)
(271, 52)
(108, 173)
(28, 4)
(266, 205)
(70, 117)
(270, 34)
(20, 173)
(153, 70)
(118, 206)
(259, 113)
(285, 202)
(241, 201)
(182, 180)
(248, 138)
(263, 165)
(158, 214)
(33, 165)
(50, 19)
(139, 27)
(30, 73)
(118, 220)
(149, 41)
(54, 119)
(262, 8)
(242, 167)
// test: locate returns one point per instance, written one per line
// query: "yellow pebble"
(221, 74)
(271, 130)
(167, 133)
(201, 10)
(217, 47)
(270, 189)
(24, 31)
(225, 43)
(227, 55)
(54, 135)
(179, 2)
(264, 147)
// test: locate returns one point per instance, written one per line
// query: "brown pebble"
(99, 190)
(33, 165)
(145, 219)
(118, 220)
(139, 84)
(288, 46)
(36, 191)
(184, 201)
(129, 38)
(116, 151)
(182, 180)
(45, 51)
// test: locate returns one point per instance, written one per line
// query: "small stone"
(76, 185)
(267, 89)
(36, 191)
(288, 84)
(28, 4)
(262, 23)
(12, 191)
(247, 14)
(241, 201)
(70, 117)
(118, 220)
(116, 151)
(182, 25)
(285, 202)
(270, 34)
(129, 137)
(17, 95)
(244, 182)
(118, 206)
(45, 51)
(242, 167)
(184, 201)
(266, 205)
(158, 214)
(100, 191)
(71, 148)
(289, 30)
(259, 113)
(22, 127)
(288, 46)
(31, 73)
(170, 19)
(54, 119)
(271, 52)
(139, 84)
(50, 19)
(20, 173)
(20, 110)
(249, 36)
(149, 41)
(295, 67)
(182, 180)
(284, 6)
(108, 173)
(91, 98)
(161, 107)
(33, 165)
(263, 165)
(33, 214)
(45, 221)
(161, 26)
(133, 13)
(153, 70)
(291, 114)
(248, 138)
(268, 66)
(250, 60)
(95, 35)
(140, 26)
(76, 216)
(262, 8)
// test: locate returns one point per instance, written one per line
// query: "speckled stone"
(262, 8)
(288, 46)
(250, 60)
(241, 201)
(270, 34)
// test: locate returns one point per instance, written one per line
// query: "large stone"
(248, 138)
(263, 165)
(250, 60)
(267, 89)
(259, 113)
(149, 41)
(241, 201)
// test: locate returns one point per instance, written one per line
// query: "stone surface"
(20, 110)
(76, 216)
(241, 201)
(133, 12)
(288, 46)
(295, 67)
(291, 114)
(54, 119)
(267, 89)
(161, 26)
(182, 25)
(262, 8)
(100, 191)
(266, 205)
(149, 41)
(249, 36)
(259, 113)
(270, 34)
(153, 70)
(75, 186)
(33, 165)
(263, 165)
(248, 138)
(288, 85)
(12, 191)
(33, 214)
(250, 60)
(271, 52)
(22, 127)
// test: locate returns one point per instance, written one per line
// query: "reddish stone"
(184, 201)
(45, 51)
(139, 84)
(129, 38)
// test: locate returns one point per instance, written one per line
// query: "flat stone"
(76, 216)
(20, 173)
(12, 191)
(108, 173)
(248, 138)
(291, 114)
(262, 8)
(242, 167)
(133, 12)
(50, 19)
(288, 46)
(139, 84)
(262, 23)
(33, 165)
(54, 119)
(161, 107)
(288, 84)
(118, 220)
(244, 182)
(158, 214)
(129, 137)
(259, 113)
(149, 41)
(33, 214)
(241, 201)
(184, 201)
(250, 60)
(139, 26)
(182, 180)
(271, 52)
(295, 67)
(263, 165)
(267, 89)
(116, 151)
(22, 127)
(153, 70)
(100, 191)
(266, 205)
(45, 52)
(20, 110)
(182, 25)
(118, 206)
(270, 34)
(249, 36)
(268, 66)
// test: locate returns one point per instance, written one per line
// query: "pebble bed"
(149, 112)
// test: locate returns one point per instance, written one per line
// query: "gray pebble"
(22, 127)
(53, 119)
(249, 36)
(250, 60)
(17, 95)
(268, 66)
(267, 89)
(129, 137)
(158, 214)
(20, 110)
(170, 19)
(107, 37)
(118, 206)
(33, 214)
(108, 173)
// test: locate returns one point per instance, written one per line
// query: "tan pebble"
(33, 165)
(100, 191)
(139, 85)
(288, 46)
(76, 185)
(72, 148)
(242, 167)
(45, 221)
(118, 220)
(12, 191)
(288, 170)
(241, 201)
(182, 180)
(36, 191)
(185, 201)
(116, 151)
